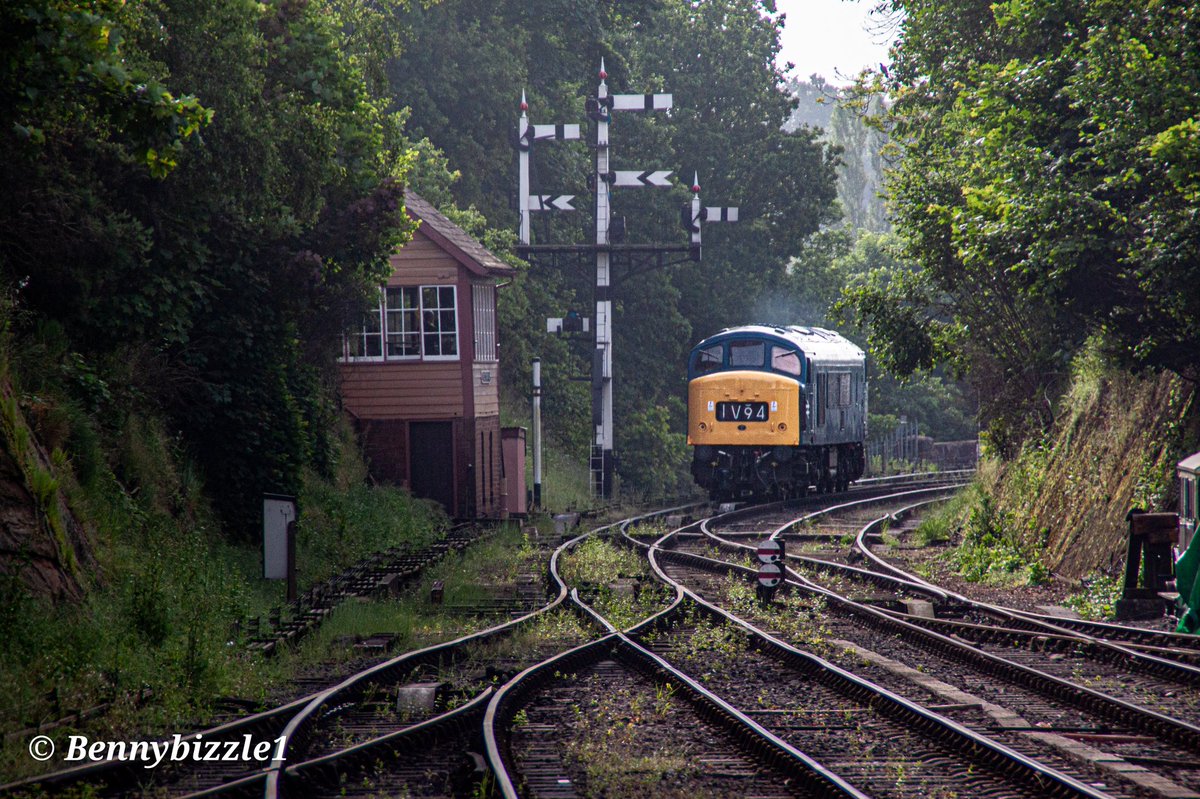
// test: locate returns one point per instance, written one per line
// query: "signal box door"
(431, 462)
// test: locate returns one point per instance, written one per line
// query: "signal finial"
(696, 183)
(524, 105)
(603, 73)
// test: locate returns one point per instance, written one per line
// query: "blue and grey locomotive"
(773, 411)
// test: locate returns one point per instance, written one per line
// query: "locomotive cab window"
(786, 361)
(747, 353)
(707, 360)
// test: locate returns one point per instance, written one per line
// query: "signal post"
(600, 109)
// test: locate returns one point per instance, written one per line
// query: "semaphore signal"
(622, 178)
(548, 202)
(608, 239)
(526, 135)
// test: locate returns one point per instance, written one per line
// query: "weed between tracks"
(615, 581)
(624, 743)
(792, 616)
(486, 570)
(1097, 597)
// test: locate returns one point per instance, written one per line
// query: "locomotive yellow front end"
(744, 409)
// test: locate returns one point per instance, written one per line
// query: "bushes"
(341, 525)
(170, 584)
(991, 549)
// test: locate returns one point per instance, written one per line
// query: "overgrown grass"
(990, 548)
(566, 482)
(341, 524)
(159, 622)
(939, 523)
(991, 551)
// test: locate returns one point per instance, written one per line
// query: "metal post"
(537, 433)
(602, 399)
(916, 440)
(291, 561)
(524, 142)
(697, 213)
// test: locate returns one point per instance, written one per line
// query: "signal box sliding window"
(410, 323)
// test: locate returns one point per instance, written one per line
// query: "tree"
(718, 60)
(1043, 193)
(224, 263)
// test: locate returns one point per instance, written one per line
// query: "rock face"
(41, 541)
(1113, 448)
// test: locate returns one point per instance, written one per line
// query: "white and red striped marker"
(770, 551)
(770, 575)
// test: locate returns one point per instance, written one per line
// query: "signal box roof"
(1190, 464)
(815, 342)
(463, 247)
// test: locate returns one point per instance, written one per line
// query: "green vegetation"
(1097, 597)
(793, 615)
(939, 523)
(989, 551)
(726, 125)
(991, 547)
(707, 649)
(1035, 208)
(156, 634)
(489, 569)
(615, 580)
(200, 199)
(199, 196)
(620, 745)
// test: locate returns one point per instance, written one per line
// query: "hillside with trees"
(1044, 198)
(200, 199)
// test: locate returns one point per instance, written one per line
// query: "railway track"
(838, 687)
(952, 760)
(1046, 698)
(1184, 648)
(378, 575)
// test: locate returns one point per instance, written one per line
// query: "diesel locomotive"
(775, 411)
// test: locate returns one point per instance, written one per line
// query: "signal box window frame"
(414, 323)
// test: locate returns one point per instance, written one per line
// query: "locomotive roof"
(1190, 464)
(815, 342)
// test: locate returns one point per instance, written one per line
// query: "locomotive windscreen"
(746, 353)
